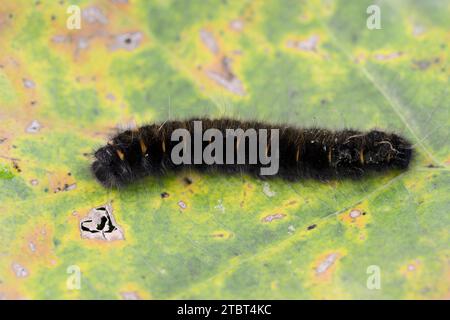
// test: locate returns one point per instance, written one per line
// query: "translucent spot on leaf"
(130, 295)
(327, 263)
(19, 270)
(220, 206)
(237, 25)
(94, 15)
(182, 204)
(100, 224)
(34, 182)
(354, 213)
(309, 44)
(32, 246)
(60, 38)
(226, 78)
(388, 56)
(267, 191)
(128, 41)
(422, 64)
(273, 217)
(33, 127)
(29, 84)
(418, 29)
(209, 41)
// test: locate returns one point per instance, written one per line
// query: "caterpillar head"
(387, 150)
(109, 167)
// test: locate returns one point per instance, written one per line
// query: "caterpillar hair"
(303, 153)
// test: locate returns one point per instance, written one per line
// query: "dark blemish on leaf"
(53, 17)
(69, 173)
(433, 166)
(182, 204)
(273, 217)
(56, 242)
(187, 180)
(100, 224)
(46, 190)
(3, 140)
(33, 102)
(164, 195)
(311, 227)
(16, 166)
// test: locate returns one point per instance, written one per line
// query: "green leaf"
(307, 63)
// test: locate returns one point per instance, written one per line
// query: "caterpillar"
(301, 153)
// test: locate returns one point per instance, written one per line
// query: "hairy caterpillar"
(302, 153)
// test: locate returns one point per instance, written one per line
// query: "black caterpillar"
(303, 153)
